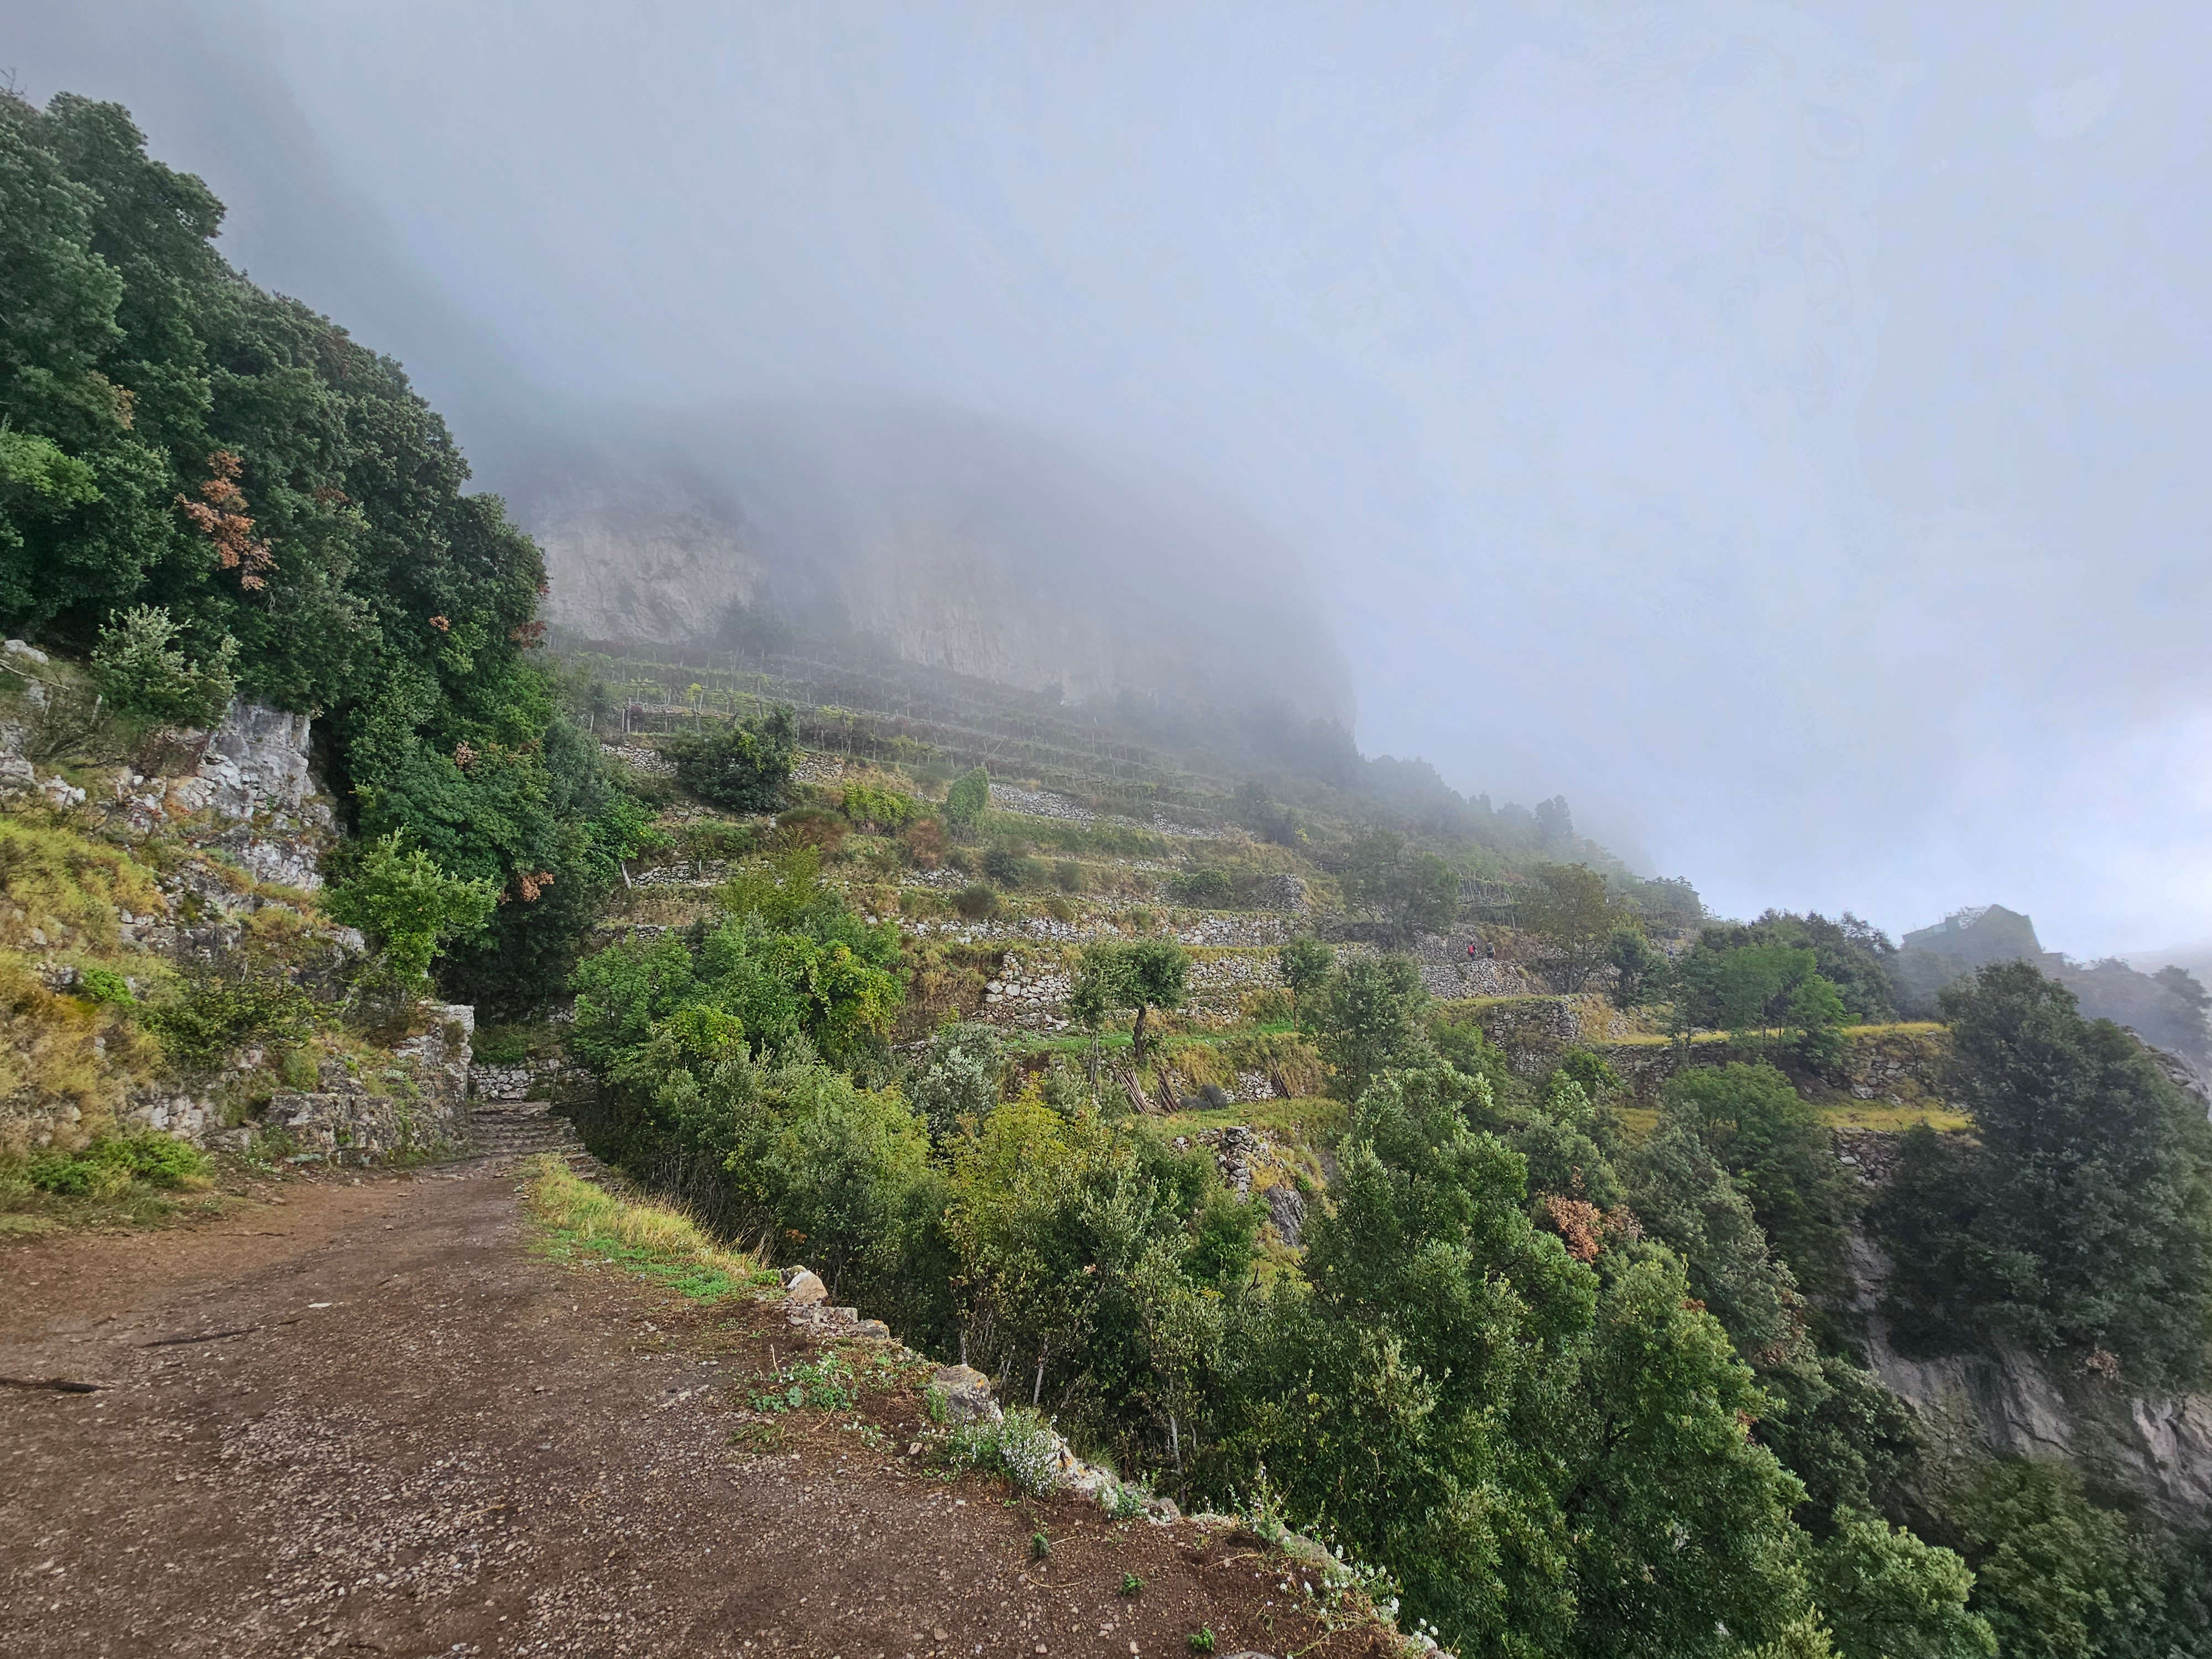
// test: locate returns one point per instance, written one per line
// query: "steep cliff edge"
(2005, 1400)
(939, 540)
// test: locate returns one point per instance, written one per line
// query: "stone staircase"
(512, 1130)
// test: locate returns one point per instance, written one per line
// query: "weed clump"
(113, 1164)
(977, 902)
(1021, 1446)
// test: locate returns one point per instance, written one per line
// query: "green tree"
(408, 908)
(143, 676)
(958, 1077)
(1639, 970)
(2057, 1577)
(741, 767)
(1772, 1141)
(1137, 977)
(1684, 1545)
(1305, 962)
(1573, 915)
(176, 438)
(1888, 1595)
(2083, 1219)
(1683, 1198)
(1367, 1016)
(1410, 891)
(967, 800)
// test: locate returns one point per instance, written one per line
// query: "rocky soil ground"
(360, 1416)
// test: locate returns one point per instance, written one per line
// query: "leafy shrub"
(976, 901)
(211, 1015)
(145, 677)
(885, 810)
(825, 1383)
(1888, 1595)
(742, 767)
(1773, 1141)
(959, 1075)
(1009, 866)
(104, 985)
(1021, 1446)
(109, 1166)
(1067, 876)
(1207, 888)
(1305, 962)
(410, 909)
(1367, 1016)
(968, 800)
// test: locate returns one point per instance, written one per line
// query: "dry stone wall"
(417, 1106)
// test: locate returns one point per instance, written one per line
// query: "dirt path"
(366, 1420)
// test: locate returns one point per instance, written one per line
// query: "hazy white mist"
(1781, 429)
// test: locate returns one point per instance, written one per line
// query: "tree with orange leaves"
(221, 514)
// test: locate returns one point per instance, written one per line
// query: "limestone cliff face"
(622, 568)
(944, 543)
(2007, 1402)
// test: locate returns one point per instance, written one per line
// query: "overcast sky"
(1781, 429)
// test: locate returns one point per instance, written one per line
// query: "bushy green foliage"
(110, 1165)
(1366, 1016)
(1639, 970)
(743, 766)
(885, 810)
(145, 677)
(1854, 957)
(1552, 1453)
(181, 444)
(968, 800)
(1009, 866)
(2059, 1576)
(1546, 1454)
(408, 909)
(1887, 1595)
(787, 961)
(978, 900)
(958, 1077)
(1574, 916)
(1752, 989)
(1019, 1445)
(104, 985)
(1205, 887)
(1305, 962)
(210, 1014)
(2082, 1220)
(1114, 977)
(1684, 1198)
(1409, 891)
(1772, 1141)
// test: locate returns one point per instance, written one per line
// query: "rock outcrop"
(2005, 1400)
(418, 1106)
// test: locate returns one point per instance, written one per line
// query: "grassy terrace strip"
(584, 1222)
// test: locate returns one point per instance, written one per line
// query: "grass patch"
(1639, 1121)
(659, 1244)
(1307, 1121)
(1881, 1114)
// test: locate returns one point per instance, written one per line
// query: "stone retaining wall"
(418, 1106)
(556, 1081)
